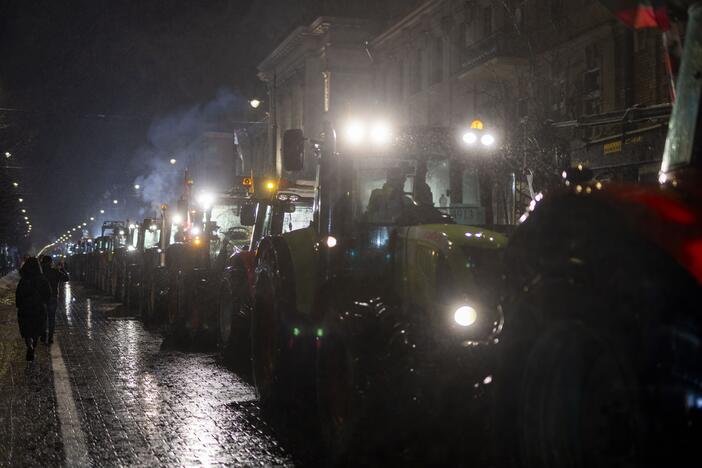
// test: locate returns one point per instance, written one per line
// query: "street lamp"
(115, 201)
(137, 186)
(7, 154)
(92, 218)
(255, 103)
(173, 161)
(15, 184)
(20, 200)
(102, 211)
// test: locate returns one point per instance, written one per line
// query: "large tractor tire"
(155, 294)
(272, 355)
(133, 287)
(357, 374)
(600, 352)
(234, 315)
(179, 302)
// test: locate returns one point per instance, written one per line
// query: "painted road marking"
(74, 445)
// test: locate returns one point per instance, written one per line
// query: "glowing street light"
(23, 210)
(137, 186)
(92, 218)
(20, 200)
(15, 184)
(173, 161)
(102, 211)
(8, 154)
(115, 201)
(255, 103)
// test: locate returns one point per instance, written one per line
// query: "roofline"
(400, 24)
(318, 27)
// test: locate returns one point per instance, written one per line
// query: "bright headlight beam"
(380, 133)
(206, 200)
(465, 316)
(470, 138)
(487, 140)
(355, 132)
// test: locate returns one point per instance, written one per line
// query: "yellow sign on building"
(612, 147)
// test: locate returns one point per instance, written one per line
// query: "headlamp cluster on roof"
(288, 197)
(477, 133)
(358, 132)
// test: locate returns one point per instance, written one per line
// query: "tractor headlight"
(355, 132)
(380, 133)
(470, 138)
(206, 200)
(487, 140)
(465, 316)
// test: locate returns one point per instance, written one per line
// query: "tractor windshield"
(226, 223)
(395, 192)
(152, 235)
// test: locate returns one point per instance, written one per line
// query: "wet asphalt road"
(107, 394)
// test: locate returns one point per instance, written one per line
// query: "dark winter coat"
(54, 277)
(31, 298)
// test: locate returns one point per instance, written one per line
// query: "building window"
(417, 70)
(592, 79)
(556, 9)
(486, 20)
(437, 60)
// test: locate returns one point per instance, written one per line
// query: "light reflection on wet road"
(141, 405)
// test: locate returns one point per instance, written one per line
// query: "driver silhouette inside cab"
(388, 203)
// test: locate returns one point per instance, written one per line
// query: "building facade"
(552, 79)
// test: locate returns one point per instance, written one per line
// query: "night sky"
(84, 85)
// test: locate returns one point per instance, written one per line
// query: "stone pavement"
(106, 394)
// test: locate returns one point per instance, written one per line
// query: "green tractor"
(357, 315)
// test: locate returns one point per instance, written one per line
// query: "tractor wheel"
(579, 402)
(267, 343)
(178, 312)
(340, 404)
(226, 306)
(234, 314)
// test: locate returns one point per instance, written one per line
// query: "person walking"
(31, 298)
(54, 276)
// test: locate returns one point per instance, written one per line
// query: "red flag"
(640, 14)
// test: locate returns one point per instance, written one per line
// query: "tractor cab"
(289, 208)
(113, 236)
(376, 223)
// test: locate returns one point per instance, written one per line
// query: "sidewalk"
(29, 427)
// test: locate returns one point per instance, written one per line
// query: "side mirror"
(248, 214)
(293, 150)
(288, 207)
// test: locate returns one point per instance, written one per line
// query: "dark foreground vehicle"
(601, 362)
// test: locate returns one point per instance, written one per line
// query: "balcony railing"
(502, 44)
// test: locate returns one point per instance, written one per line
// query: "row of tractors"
(379, 319)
